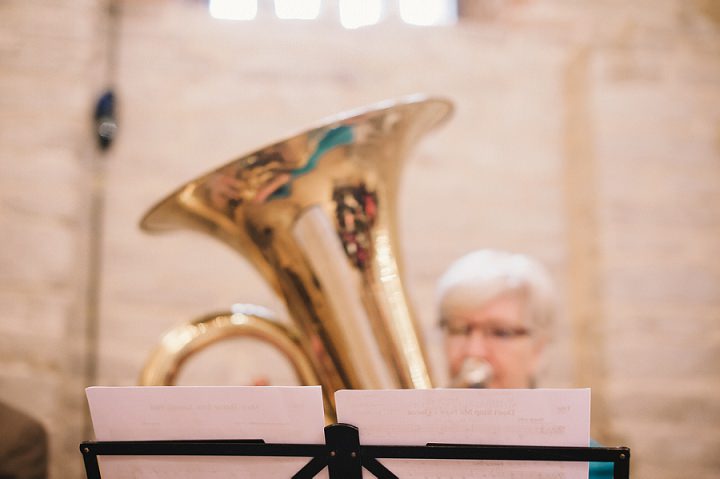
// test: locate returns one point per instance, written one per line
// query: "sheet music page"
(275, 414)
(532, 417)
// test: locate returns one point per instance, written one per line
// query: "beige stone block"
(47, 187)
(36, 251)
(34, 315)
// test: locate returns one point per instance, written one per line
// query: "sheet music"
(533, 417)
(275, 414)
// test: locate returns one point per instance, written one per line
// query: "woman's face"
(498, 332)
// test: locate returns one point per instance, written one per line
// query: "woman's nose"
(477, 343)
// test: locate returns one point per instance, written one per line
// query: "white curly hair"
(485, 274)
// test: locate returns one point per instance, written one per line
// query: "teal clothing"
(600, 470)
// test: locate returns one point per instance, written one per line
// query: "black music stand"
(345, 457)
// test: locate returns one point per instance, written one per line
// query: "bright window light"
(297, 9)
(234, 9)
(428, 12)
(359, 13)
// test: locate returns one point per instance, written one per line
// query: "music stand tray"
(345, 457)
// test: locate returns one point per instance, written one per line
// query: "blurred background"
(586, 133)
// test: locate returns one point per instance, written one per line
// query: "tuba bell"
(315, 214)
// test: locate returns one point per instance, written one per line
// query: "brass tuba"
(315, 215)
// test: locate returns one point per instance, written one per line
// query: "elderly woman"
(496, 309)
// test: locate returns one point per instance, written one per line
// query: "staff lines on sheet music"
(204, 407)
(518, 430)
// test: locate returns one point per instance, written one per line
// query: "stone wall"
(50, 68)
(586, 134)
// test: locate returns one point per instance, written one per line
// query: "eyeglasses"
(491, 331)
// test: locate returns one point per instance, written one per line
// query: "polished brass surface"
(315, 214)
(182, 342)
